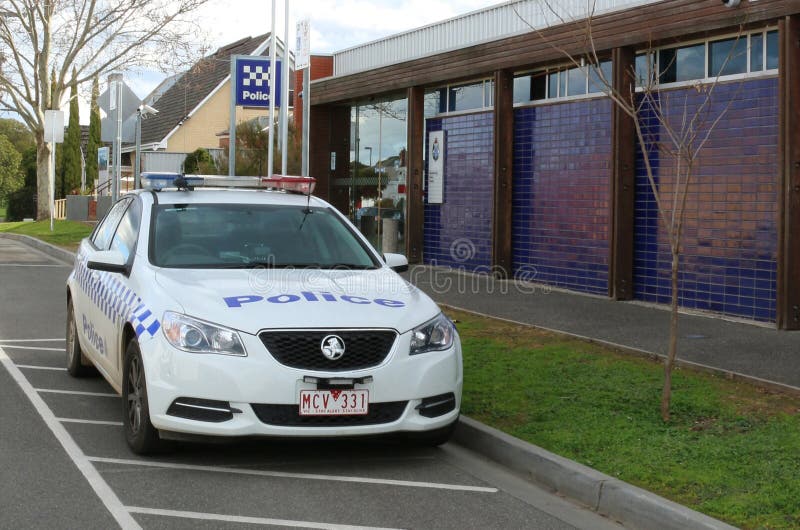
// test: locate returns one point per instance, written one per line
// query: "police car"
(241, 312)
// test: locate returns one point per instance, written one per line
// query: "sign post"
(119, 103)
(303, 62)
(53, 133)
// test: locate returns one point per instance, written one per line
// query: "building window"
(682, 64)
(727, 57)
(562, 82)
(772, 50)
(459, 98)
(754, 52)
(757, 52)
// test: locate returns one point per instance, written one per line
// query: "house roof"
(193, 87)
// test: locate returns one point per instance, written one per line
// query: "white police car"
(256, 312)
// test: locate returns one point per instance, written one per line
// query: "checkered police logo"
(253, 79)
(256, 76)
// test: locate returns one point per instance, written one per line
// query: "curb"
(51, 250)
(606, 495)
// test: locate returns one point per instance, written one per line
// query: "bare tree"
(91, 36)
(672, 127)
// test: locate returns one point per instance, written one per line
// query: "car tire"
(77, 364)
(140, 434)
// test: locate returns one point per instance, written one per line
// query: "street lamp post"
(370, 155)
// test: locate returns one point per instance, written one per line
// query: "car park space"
(295, 483)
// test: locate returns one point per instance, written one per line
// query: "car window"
(241, 236)
(105, 230)
(125, 237)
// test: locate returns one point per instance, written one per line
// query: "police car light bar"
(158, 181)
(304, 185)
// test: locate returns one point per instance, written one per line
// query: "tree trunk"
(43, 164)
(666, 394)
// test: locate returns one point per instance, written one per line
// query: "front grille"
(302, 349)
(289, 416)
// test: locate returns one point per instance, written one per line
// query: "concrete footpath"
(736, 348)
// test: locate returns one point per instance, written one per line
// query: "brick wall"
(321, 66)
(729, 258)
(561, 194)
(458, 232)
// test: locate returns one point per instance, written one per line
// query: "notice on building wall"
(436, 167)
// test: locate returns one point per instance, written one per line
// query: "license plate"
(334, 402)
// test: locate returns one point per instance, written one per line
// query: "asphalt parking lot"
(64, 462)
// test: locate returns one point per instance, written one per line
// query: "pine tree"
(72, 142)
(94, 136)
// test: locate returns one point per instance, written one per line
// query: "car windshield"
(254, 235)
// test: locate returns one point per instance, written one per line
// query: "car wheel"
(76, 361)
(140, 434)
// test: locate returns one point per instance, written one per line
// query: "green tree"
(10, 175)
(251, 150)
(199, 162)
(71, 179)
(17, 133)
(95, 37)
(94, 136)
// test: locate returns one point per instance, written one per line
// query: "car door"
(117, 286)
(91, 293)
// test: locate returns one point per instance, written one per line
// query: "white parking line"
(34, 367)
(15, 347)
(281, 474)
(33, 265)
(3, 341)
(90, 422)
(75, 392)
(250, 520)
(100, 486)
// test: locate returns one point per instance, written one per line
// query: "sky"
(335, 24)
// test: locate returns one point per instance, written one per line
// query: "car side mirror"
(108, 261)
(397, 262)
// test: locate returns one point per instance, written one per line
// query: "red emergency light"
(290, 184)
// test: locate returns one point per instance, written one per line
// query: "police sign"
(252, 81)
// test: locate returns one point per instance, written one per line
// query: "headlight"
(196, 336)
(434, 335)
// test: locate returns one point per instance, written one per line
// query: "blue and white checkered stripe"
(115, 300)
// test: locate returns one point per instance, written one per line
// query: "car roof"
(235, 196)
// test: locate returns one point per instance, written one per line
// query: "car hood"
(250, 300)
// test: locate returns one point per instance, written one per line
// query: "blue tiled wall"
(730, 239)
(561, 194)
(458, 233)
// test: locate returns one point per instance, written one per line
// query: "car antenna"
(308, 209)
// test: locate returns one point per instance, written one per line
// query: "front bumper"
(258, 379)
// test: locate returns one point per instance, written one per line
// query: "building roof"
(188, 91)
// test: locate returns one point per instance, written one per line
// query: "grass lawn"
(66, 234)
(731, 450)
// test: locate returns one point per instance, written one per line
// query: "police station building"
(484, 147)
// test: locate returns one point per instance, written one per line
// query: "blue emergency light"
(157, 181)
